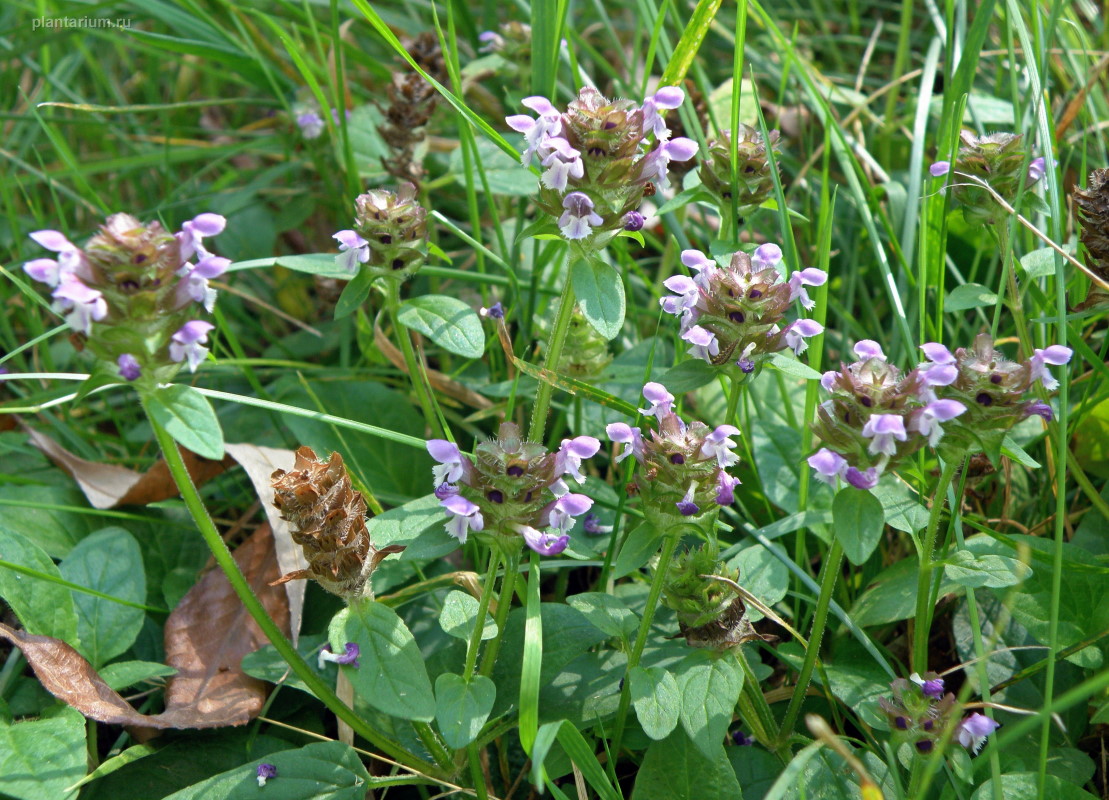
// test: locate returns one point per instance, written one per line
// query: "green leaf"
(544, 225)
(110, 562)
(124, 674)
(188, 417)
(506, 176)
(1039, 263)
(694, 194)
(44, 608)
(710, 685)
(461, 708)
(994, 572)
(579, 751)
(1014, 451)
(892, 595)
(791, 366)
(858, 520)
(1025, 786)
(689, 376)
(322, 771)
(970, 295)
(763, 575)
(641, 543)
(42, 758)
(447, 321)
(609, 614)
(657, 700)
(675, 768)
(600, 295)
(531, 664)
(391, 675)
(459, 614)
(323, 264)
(354, 293)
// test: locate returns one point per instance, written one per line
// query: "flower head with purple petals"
(997, 160)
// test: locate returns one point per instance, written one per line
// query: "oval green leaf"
(447, 321)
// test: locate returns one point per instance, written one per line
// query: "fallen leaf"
(108, 485)
(206, 637)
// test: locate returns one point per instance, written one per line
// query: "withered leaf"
(206, 637)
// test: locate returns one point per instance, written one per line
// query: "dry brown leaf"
(206, 637)
(108, 486)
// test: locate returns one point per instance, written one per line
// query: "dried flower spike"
(1093, 211)
(328, 519)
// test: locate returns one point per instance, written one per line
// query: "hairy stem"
(415, 373)
(922, 622)
(551, 359)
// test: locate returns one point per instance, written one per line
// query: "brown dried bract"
(328, 519)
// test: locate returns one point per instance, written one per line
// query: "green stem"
(476, 775)
(754, 708)
(922, 622)
(551, 359)
(670, 544)
(254, 607)
(482, 609)
(733, 402)
(504, 605)
(415, 373)
(434, 745)
(830, 573)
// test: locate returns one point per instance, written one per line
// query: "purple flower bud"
(932, 687)
(746, 365)
(686, 505)
(129, 368)
(545, 544)
(973, 731)
(592, 525)
(742, 739)
(861, 480)
(266, 772)
(1040, 409)
(348, 658)
(634, 221)
(495, 311)
(631, 438)
(940, 168)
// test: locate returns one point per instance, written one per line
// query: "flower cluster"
(1092, 204)
(140, 285)
(328, 519)
(512, 490)
(600, 158)
(734, 314)
(389, 235)
(756, 180)
(998, 160)
(683, 467)
(920, 711)
(877, 417)
(990, 387)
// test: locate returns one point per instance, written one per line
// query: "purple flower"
(860, 479)
(742, 739)
(311, 124)
(1037, 169)
(545, 544)
(705, 266)
(1056, 355)
(445, 490)
(631, 438)
(495, 311)
(1040, 409)
(188, 343)
(686, 505)
(561, 513)
(592, 525)
(570, 454)
(579, 218)
(81, 304)
(562, 162)
(656, 164)
(662, 402)
(452, 464)
(49, 271)
(536, 131)
(129, 368)
(717, 445)
(937, 353)
(704, 342)
(828, 465)
(973, 731)
(806, 277)
(927, 421)
(796, 333)
(349, 658)
(684, 301)
(930, 688)
(465, 516)
(939, 374)
(191, 238)
(882, 430)
(828, 379)
(491, 41)
(668, 97)
(940, 168)
(194, 283)
(868, 348)
(634, 221)
(353, 250)
(265, 773)
(766, 256)
(725, 488)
